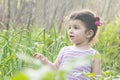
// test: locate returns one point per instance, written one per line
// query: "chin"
(73, 42)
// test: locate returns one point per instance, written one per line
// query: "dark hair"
(88, 18)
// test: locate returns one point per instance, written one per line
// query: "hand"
(41, 57)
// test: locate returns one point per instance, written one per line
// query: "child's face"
(77, 32)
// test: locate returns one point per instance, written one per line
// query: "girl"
(80, 57)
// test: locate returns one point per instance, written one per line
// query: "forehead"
(76, 22)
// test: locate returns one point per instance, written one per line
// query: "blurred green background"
(30, 26)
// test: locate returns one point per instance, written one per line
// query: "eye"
(76, 27)
(69, 27)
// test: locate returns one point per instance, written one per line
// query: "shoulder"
(62, 51)
(65, 48)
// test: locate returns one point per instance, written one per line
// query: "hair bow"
(98, 23)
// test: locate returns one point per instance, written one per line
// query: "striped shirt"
(76, 62)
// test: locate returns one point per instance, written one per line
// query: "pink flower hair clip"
(97, 21)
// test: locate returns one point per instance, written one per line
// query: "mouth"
(71, 36)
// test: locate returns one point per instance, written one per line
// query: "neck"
(82, 46)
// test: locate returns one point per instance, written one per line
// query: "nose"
(70, 30)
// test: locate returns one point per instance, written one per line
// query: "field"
(17, 47)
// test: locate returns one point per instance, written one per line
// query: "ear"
(89, 33)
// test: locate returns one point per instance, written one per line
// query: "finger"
(35, 55)
(44, 60)
(39, 56)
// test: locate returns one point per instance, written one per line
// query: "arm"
(96, 66)
(56, 64)
(45, 61)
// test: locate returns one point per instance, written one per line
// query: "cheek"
(79, 32)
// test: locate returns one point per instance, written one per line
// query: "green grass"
(49, 43)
